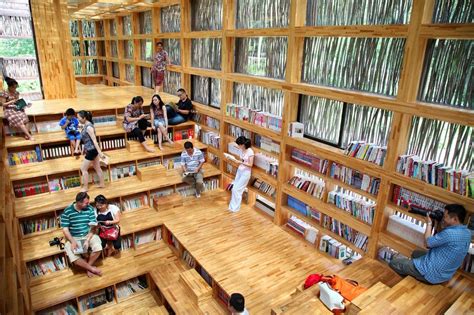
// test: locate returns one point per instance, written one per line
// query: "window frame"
(209, 90)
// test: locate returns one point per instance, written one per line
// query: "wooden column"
(50, 19)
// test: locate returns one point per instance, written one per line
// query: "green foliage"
(17, 47)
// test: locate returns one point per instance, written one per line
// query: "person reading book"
(243, 172)
(192, 160)
(446, 249)
(108, 216)
(135, 122)
(14, 109)
(70, 125)
(78, 222)
(236, 304)
(180, 112)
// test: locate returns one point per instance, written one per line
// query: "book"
(81, 249)
(21, 104)
(230, 156)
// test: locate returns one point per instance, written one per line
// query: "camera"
(57, 241)
(436, 215)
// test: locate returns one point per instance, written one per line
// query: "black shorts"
(91, 155)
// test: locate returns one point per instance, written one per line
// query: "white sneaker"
(198, 195)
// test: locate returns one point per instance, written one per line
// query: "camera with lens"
(57, 241)
(436, 215)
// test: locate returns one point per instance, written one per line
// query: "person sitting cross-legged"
(78, 222)
(192, 160)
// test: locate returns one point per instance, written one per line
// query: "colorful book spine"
(25, 157)
(367, 151)
(255, 116)
(353, 236)
(404, 198)
(312, 187)
(309, 160)
(355, 178)
(358, 206)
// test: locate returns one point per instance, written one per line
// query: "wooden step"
(67, 164)
(366, 298)
(134, 146)
(140, 303)
(167, 278)
(414, 297)
(198, 289)
(463, 305)
(151, 172)
(33, 205)
(157, 310)
(168, 202)
(71, 283)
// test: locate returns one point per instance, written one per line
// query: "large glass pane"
(73, 28)
(114, 48)
(127, 25)
(172, 82)
(200, 89)
(171, 19)
(146, 77)
(363, 64)
(128, 49)
(91, 66)
(215, 93)
(77, 64)
(206, 15)
(173, 47)
(145, 22)
(130, 73)
(90, 48)
(262, 56)
(453, 11)
(206, 53)
(115, 70)
(262, 13)
(448, 73)
(259, 98)
(113, 27)
(88, 28)
(76, 47)
(100, 29)
(146, 49)
(357, 12)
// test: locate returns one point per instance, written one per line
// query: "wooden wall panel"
(53, 41)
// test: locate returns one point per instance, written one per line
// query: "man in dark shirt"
(182, 111)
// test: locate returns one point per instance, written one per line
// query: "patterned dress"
(131, 113)
(15, 117)
(159, 66)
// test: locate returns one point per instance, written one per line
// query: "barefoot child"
(70, 125)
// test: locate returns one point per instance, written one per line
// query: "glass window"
(146, 49)
(127, 25)
(145, 22)
(172, 82)
(206, 91)
(206, 15)
(146, 77)
(262, 13)
(258, 97)
(130, 73)
(88, 28)
(206, 53)
(173, 48)
(91, 66)
(454, 11)
(171, 19)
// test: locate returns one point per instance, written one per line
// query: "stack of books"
(367, 151)
(161, 193)
(127, 242)
(181, 134)
(30, 189)
(254, 116)
(309, 160)
(404, 198)
(189, 259)
(106, 120)
(38, 224)
(131, 286)
(66, 182)
(112, 143)
(136, 202)
(336, 249)
(147, 236)
(267, 163)
(93, 300)
(148, 163)
(355, 178)
(298, 205)
(123, 171)
(172, 163)
(358, 206)
(434, 173)
(267, 144)
(304, 229)
(313, 187)
(25, 157)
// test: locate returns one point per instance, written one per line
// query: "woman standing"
(16, 117)
(91, 150)
(243, 172)
(108, 216)
(159, 66)
(135, 123)
(159, 119)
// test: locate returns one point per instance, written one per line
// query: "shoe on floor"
(198, 195)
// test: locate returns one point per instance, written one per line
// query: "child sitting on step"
(70, 125)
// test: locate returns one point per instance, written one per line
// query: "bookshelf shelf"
(393, 206)
(255, 129)
(400, 245)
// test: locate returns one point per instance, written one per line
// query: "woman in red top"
(159, 66)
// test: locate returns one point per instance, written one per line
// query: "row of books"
(57, 151)
(267, 144)
(65, 182)
(67, 308)
(236, 132)
(214, 159)
(131, 286)
(106, 120)
(95, 299)
(434, 173)
(123, 171)
(190, 261)
(148, 236)
(267, 163)
(306, 230)
(25, 157)
(183, 134)
(211, 138)
(173, 241)
(135, 203)
(38, 225)
(358, 206)
(47, 265)
(264, 187)
(309, 160)
(298, 205)
(404, 198)
(355, 178)
(406, 228)
(172, 162)
(149, 163)
(313, 187)
(357, 238)
(336, 249)
(111, 144)
(209, 184)
(262, 203)
(30, 189)
(367, 151)
(207, 120)
(161, 193)
(127, 242)
(254, 116)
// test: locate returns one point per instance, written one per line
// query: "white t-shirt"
(113, 209)
(245, 157)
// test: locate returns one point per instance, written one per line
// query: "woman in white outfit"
(243, 172)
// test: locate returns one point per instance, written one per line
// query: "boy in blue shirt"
(70, 125)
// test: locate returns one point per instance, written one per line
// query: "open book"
(230, 157)
(21, 104)
(80, 247)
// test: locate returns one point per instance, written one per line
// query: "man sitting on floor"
(446, 250)
(192, 160)
(78, 222)
(236, 304)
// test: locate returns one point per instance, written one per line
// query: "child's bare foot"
(160, 147)
(151, 150)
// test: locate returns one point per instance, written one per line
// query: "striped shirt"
(78, 221)
(447, 250)
(192, 162)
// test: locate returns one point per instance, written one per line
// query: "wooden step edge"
(372, 294)
(464, 304)
(199, 289)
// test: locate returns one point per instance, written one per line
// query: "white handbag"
(332, 299)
